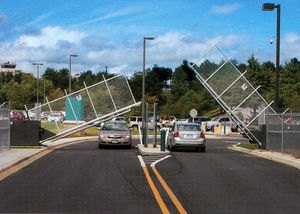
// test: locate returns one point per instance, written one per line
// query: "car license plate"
(114, 141)
(188, 136)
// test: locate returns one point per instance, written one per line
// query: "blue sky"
(110, 32)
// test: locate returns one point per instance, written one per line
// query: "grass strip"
(248, 146)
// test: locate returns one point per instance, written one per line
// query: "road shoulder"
(274, 156)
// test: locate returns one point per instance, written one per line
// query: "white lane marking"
(141, 161)
(155, 162)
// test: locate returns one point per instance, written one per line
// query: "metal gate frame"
(97, 120)
(222, 103)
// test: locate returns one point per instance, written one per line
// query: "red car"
(17, 115)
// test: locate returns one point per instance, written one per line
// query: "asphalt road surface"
(82, 178)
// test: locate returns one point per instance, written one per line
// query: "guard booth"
(4, 129)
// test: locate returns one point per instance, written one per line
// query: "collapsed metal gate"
(84, 108)
(235, 94)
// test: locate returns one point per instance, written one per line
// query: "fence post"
(162, 140)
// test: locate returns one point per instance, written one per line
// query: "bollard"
(224, 128)
(144, 136)
(162, 140)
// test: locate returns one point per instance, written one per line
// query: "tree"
(179, 84)
(20, 94)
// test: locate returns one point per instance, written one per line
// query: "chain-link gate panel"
(232, 91)
(84, 108)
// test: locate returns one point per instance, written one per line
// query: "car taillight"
(202, 135)
(176, 134)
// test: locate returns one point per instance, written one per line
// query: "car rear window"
(183, 127)
(115, 127)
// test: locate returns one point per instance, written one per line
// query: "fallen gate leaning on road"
(235, 94)
(85, 108)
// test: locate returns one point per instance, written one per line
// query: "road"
(83, 178)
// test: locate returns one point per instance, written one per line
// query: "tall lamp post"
(143, 89)
(38, 76)
(271, 7)
(70, 72)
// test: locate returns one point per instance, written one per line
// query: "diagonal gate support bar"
(230, 113)
(93, 121)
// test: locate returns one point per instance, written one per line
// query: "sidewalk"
(274, 156)
(15, 156)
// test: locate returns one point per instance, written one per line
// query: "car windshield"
(183, 127)
(115, 127)
(215, 119)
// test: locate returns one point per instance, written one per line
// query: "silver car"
(186, 135)
(115, 133)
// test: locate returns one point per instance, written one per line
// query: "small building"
(10, 67)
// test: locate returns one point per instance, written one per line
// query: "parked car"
(136, 121)
(17, 115)
(168, 121)
(187, 135)
(198, 120)
(45, 115)
(221, 120)
(115, 133)
(119, 119)
(55, 117)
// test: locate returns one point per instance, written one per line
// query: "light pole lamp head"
(149, 38)
(268, 7)
(73, 55)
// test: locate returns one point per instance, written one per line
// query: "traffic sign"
(193, 112)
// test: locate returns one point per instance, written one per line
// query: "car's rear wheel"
(202, 149)
(170, 148)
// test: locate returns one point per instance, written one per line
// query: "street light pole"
(70, 72)
(271, 7)
(143, 89)
(38, 76)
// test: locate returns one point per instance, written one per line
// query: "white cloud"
(224, 9)
(53, 45)
(49, 37)
(290, 46)
(115, 14)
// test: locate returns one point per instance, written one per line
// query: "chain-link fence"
(93, 103)
(283, 133)
(241, 101)
(4, 129)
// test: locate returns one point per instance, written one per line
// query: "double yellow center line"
(157, 196)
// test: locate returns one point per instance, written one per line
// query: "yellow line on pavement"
(169, 191)
(158, 198)
(21, 165)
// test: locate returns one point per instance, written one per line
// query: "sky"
(110, 32)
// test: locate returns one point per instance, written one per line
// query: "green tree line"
(176, 92)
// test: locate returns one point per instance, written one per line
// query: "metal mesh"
(4, 129)
(283, 135)
(85, 105)
(232, 90)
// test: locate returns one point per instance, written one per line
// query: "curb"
(20, 160)
(260, 153)
(10, 165)
(151, 151)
